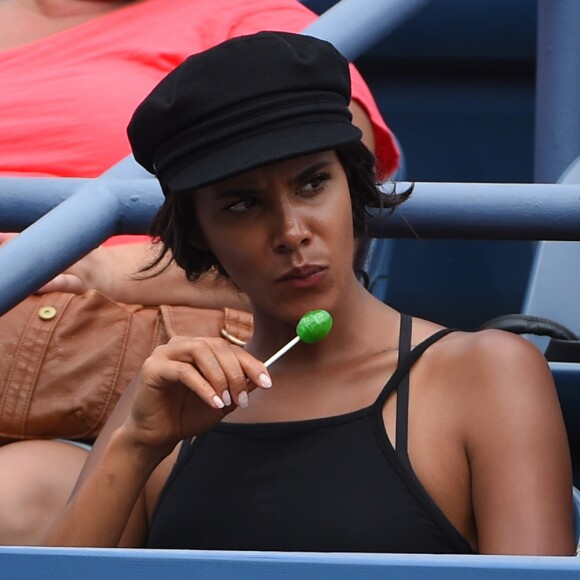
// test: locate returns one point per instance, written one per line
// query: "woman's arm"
(517, 450)
(100, 510)
(176, 396)
(112, 271)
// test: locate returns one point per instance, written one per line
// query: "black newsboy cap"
(242, 104)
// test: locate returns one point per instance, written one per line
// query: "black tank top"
(333, 484)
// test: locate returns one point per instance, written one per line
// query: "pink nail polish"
(218, 402)
(265, 381)
(243, 399)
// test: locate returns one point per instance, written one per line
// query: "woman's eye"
(242, 205)
(317, 183)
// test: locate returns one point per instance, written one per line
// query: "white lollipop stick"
(282, 351)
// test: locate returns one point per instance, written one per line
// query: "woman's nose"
(293, 231)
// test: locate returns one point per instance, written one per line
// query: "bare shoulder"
(493, 378)
(493, 359)
(509, 383)
(496, 344)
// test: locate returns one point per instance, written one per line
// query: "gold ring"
(231, 338)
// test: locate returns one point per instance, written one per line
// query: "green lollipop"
(312, 327)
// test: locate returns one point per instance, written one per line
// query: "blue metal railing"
(94, 564)
(499, 211)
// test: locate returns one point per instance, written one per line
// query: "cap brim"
(258, 150)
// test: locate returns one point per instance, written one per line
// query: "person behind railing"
(72, 72)
(392, 434)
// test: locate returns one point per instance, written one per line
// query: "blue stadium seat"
(554, 284)
(553, 290)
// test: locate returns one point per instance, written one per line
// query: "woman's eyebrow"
(234, 192)
(306, 173)
(241, 190)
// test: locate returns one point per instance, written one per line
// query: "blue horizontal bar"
(89, 564)
(494, 211)
(435, 210)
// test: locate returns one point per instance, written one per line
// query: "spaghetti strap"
(401, 424)
(407, 359)
(405, 331)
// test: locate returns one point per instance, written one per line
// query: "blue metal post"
(557, 141)
(353, 26)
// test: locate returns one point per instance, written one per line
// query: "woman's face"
(283, 233)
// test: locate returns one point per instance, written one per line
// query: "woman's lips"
(304, 277)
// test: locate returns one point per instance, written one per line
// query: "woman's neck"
(360, 323)
(25, 21)
(340, 374)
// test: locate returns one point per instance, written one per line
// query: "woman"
(72, 72)
(391, 434)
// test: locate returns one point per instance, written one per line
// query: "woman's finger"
(161, 373)
(253, 369)
(232, 371)
(236, 388)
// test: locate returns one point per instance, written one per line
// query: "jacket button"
(47, 312)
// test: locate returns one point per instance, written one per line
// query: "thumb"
(64, 283)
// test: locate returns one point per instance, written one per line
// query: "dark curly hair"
(175, 223)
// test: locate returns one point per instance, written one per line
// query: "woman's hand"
(188, 385)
